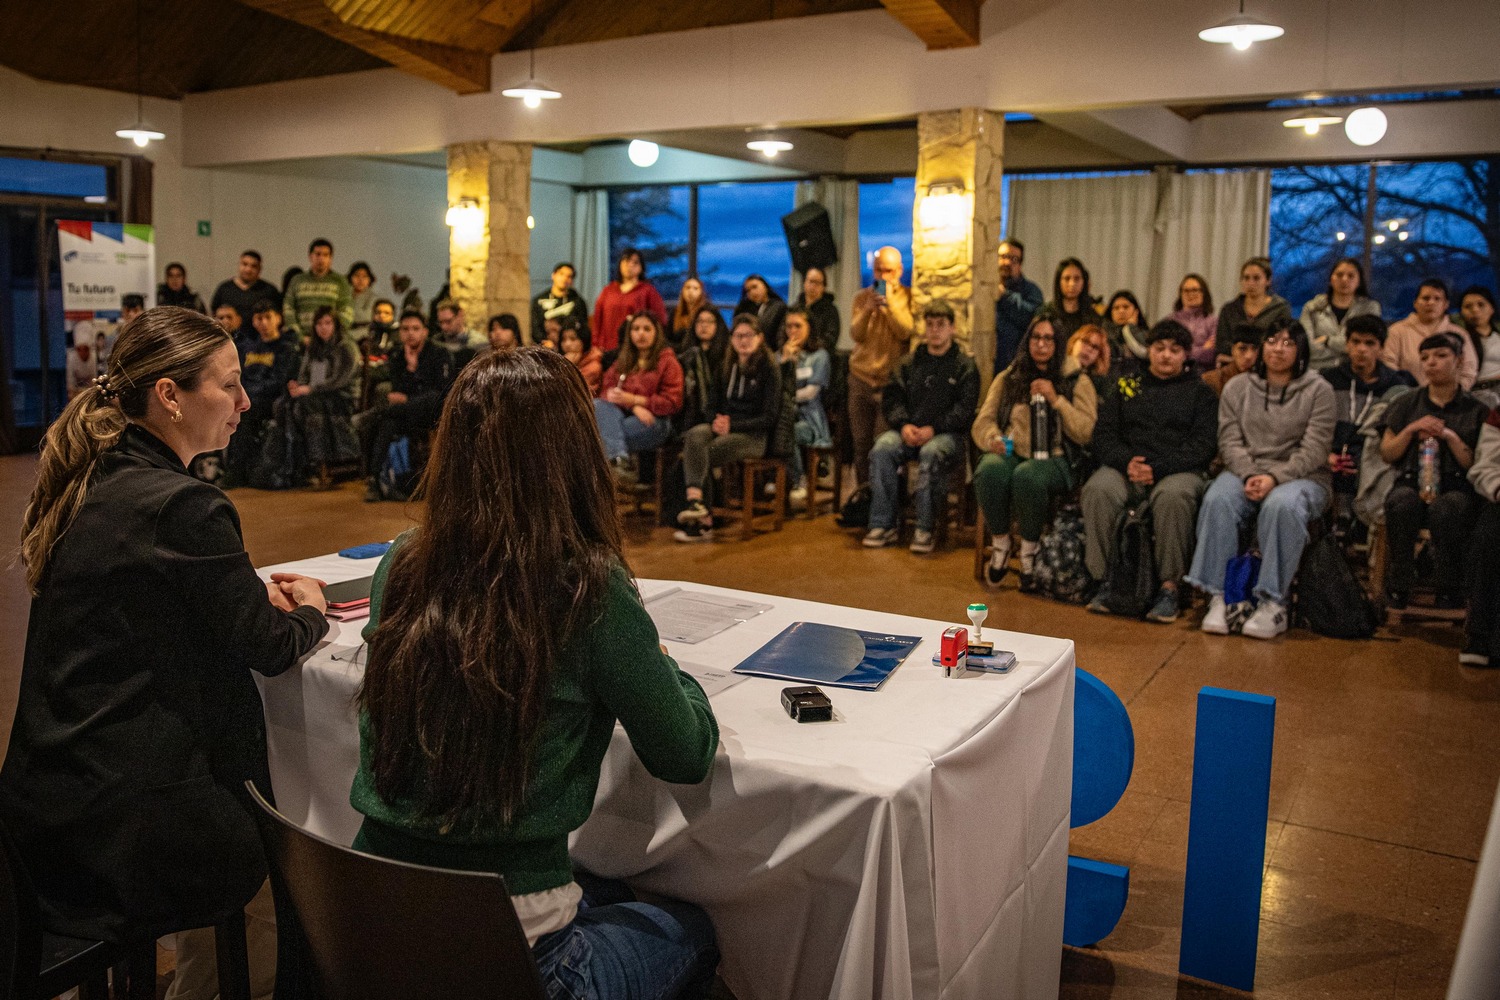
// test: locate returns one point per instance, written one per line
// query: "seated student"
(503, 332)
(702, 364)
(419, 373)
(1126, 327)
(803, 349)
(1244, 352)
(573, 342)
(506, 639)
(318, 405)
(267, 364)
(1403, 342)
(1360, 383)
(641, 390)
(1444, 413)
(1009, 479)
(1477, 307)
(747, 403)
(228, 318)
(929, 401)
(1482, 628)
(381, 336)
(1090, 348)
(1275, 428)
(1156, 435)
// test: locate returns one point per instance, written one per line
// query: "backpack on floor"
(1130, 585)
(1059, 568)
(269, 470)
(855, 513)
(396, 477)
(1330, 600)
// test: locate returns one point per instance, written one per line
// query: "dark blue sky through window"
(885, 220)
(739, 233)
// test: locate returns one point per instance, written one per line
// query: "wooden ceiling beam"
(462, 70)
(941, 24)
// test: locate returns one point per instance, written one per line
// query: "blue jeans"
(1281, 532)
(888, 460)
(623, 433)
(621, 949)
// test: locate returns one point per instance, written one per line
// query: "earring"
(177, 416)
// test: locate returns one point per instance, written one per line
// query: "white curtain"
(591, 242)
(841, 199)
(1143, 232)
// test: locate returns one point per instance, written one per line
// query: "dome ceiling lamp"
(139, 133)
(1241, 31)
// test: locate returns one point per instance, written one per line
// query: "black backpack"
(1330, 600)
(855, 513)
(1059, 568)
(1130, 587)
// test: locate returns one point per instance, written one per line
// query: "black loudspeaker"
(809, 237)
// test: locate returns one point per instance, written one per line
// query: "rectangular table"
(914, 847)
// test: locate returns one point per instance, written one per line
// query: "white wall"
(388, 213)
(552, 239)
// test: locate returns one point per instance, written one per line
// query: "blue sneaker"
(1164, 611)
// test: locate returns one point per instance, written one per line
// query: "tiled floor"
(1384, 770)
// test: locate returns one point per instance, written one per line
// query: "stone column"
(956, 222)
(489, 265)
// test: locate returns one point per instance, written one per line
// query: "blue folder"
(827, 654)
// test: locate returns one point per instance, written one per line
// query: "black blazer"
(138, 721)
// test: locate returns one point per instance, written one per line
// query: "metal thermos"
(1041, 428)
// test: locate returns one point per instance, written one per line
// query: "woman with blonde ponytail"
(138, 721)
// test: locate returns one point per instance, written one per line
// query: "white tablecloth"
(915, 847)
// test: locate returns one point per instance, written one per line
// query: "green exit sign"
(205, 228)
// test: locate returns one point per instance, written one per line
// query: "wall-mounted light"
(769, 147)
(466, 219)
(530, 222)
(1366, 126)
(945, 208)
(1312, 123)
(1241, 31)
(642, 152)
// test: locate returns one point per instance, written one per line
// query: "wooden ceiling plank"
(941, 24)
(462, 70)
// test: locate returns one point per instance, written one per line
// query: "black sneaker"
(694, 531)
(1164, 611)
(372, 492)
(1476, 652)
(994, 574)
(694, 512)
(1028, 583)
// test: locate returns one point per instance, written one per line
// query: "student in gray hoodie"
(1275, 431)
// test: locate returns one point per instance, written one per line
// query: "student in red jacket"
(638, 395)
(628, 294)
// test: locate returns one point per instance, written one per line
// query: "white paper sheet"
(691, 616)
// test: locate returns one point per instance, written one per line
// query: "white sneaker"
(879, 538)
(1268, 622)
(1216, 622)
(921, 542)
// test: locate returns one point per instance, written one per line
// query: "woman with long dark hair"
(1071, 305)
(318, 408)
(822, 311)
(1326, 316)
(1010, 479)
(138, 721)
(639, 394)
(1476, 306)
(1194, 309)
(630, 293)
(809, 357)
(1126, 327)
(690, 299)
(759, 299)
(702, 364)
(746, 405)
(506, 639)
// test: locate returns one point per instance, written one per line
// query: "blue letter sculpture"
(1226, 837)
(1103, 757)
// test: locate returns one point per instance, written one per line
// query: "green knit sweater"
(612, 669)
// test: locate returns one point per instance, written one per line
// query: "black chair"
(386, 930)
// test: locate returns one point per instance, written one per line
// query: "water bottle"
(1427, 470)
(1041, 431)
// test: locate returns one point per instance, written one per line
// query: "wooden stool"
(753, 510)
(818, 496)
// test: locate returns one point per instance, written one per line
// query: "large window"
(739, 233)
(885, 220)
(1424, 219)
(654, 220)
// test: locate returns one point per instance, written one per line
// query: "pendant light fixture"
(533, 92)
(1312, 122)
(139, 133)
(1241, 31)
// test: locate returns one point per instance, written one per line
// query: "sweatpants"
(1174, 520)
